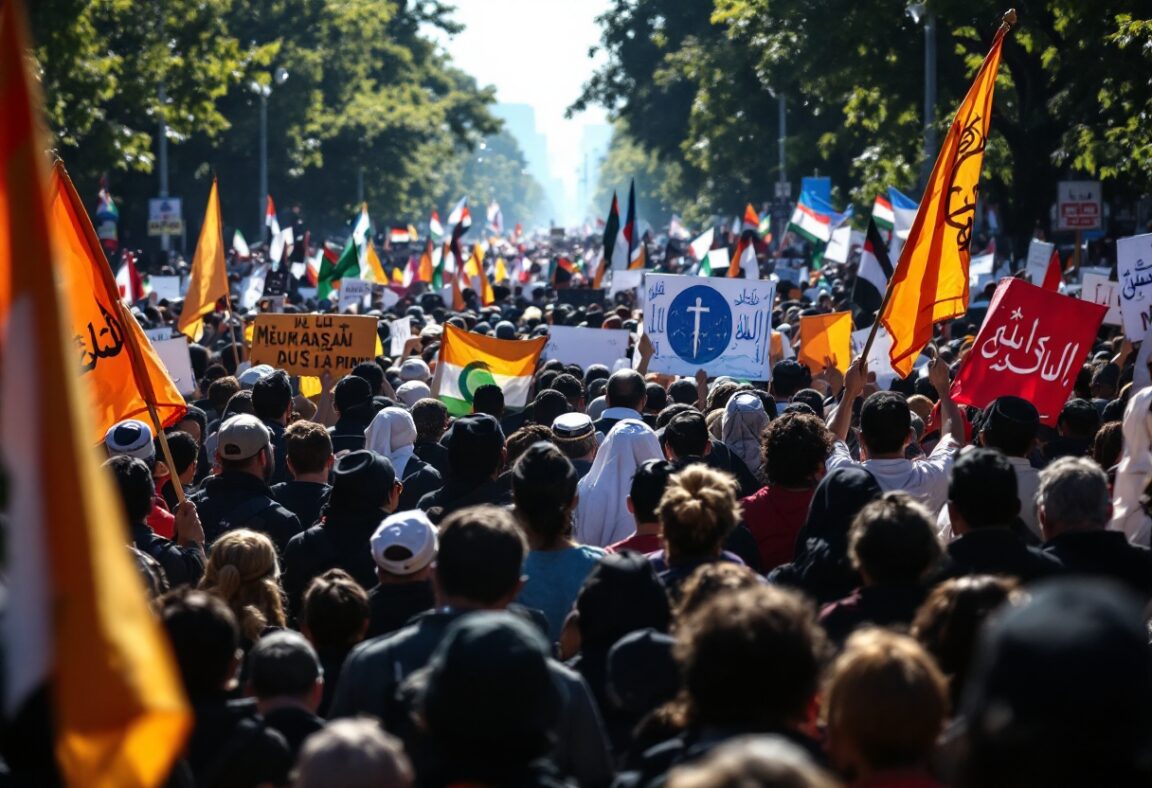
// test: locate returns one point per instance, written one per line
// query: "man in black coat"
(355, 410)
(272, 404)
(310, 460)
(285, 678)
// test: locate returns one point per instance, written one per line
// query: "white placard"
(586, 346)
(174, 355)
(980, 272)
(158, 334)
(1039, 255)
(624, 280)
(166, 287)
(389, 298)
(1078, 205)
(1099, 270)
(721, 325)
(399, 332)
(844, 239)
(719, 260)
(1100, 290)
(879, 358)
(1134, 270)
(352, 292)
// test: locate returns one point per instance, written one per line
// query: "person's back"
(475, 456)
(285, 677)
(626, 395)
(404, 547)
(310, 459)
(697, 513)
(333, 617)
(431, 418)
(352, 399)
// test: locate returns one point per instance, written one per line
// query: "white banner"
(174, 354)
(1134, 270)
(624, 280)
(399, 332)
(586, 346)
(1100, 290)
(166, 287)
(352, 292)
(1039, 254)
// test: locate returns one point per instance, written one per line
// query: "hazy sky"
(534, 52)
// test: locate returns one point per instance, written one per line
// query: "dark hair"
(272, 396)
(570, 386)
(134, 481)
(544, 379)
(204, 637)
(489, 399)
(543, 488)
(687, 434)
(1108, 444)
(683, 392)
(308, 445)
(892, 540)
(282, 664)
(1010, 425)
(1080, 418)
(240, 402)
(221, 390)
(811, 398)
(548, 405)
(371, 372)
(983, 488)
(648, 485)
(885, 421)
(657, 398)
(335, 610)
(675, 409)
(794, 448)
(481, 554)
(596, 372)
(528, 435)
(431, 416)
(626, 389)
(474, 449)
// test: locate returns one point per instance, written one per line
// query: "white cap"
(132, 438)
(415, 369)
(404, 543)
(253, 375)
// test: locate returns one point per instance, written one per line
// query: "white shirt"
(1027, 484)
(925, 479)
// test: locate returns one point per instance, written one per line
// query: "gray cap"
(241, 437)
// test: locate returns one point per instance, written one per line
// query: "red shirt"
(775, 516)
(160, 520)
(641, 543)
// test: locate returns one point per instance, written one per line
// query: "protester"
(285, 677)
(392, 433)
(272, 404)
(626, 395)
(352, 399)
(404, 547)
(431, 420)
(310, 460)
(185, 454)
(133, 438)
(353, 754)
(243, 572)
(602, 517)
(476, 455)
(334, 618)
(697, 513)
(648, 485)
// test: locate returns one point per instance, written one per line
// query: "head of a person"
(335, 612)
(480, 559)
(697, 513)
(794, 448)
(353, 753)
(710, 579)
(885, 423)
(243, 571)
(185, 452)
(621, 594)
(364, 482)
(241, 403)
(1060, 692)
(283, 666)
(788, 377)
(134, 482)
(404, 547)
(1105, 381)
(1078, 419)
(1108, 445)
(949, 621)
(982, 491)
(544, 491)
(309, 449)
(131, 438)
(221, 390)
(244, 445)
(626, 389)
(414, 368)
(489, 399)
(476, 449)
(1011, 425)
(194, 423)
(572, 389)
(548, 406)
(353, 396)
(751, 660)
(205, 640)
(811, 398)
(575, 435)
(1073, 496)
(892, 541)
(886, 702)
(682, 392)
(656, 397)
(272, 397)
(763, 760)
(371, 373)
(431, 417)
(686, 435)
(647, 488)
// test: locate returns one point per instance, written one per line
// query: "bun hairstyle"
(698, 511)
(243, 572)
(543, 489)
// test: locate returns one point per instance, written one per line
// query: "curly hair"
(697, 511)
(711, 579)
(242, 570)
(794, 448)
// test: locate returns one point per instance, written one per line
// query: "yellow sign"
(311, 344)
(166, 227)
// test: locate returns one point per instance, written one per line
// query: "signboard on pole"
(308, 344)
(1079, 206)
(165, 216)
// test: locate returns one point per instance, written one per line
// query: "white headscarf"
(1134, 471)
(392, 433)
(744, 421)
(602, 516)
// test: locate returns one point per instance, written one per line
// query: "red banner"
(1032, 345)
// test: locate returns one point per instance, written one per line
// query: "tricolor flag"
(883, 214)
(270, 221)
(702, 244)
(625, 247)
(495, 218)
(810, 223)
(240, 246)
(904, 210)
(873, 274)
(744, 258)
(399, 235)
(128, 280)
(435, 229)
(751, 220)
(77, 622)
(460, 218)
(468, 361)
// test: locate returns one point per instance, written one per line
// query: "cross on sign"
(698, 309)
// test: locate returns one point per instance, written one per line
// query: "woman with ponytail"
(544, 493)
(243, 572)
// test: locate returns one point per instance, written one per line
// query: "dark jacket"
(394, 605)
(236, 499)
(338, 541)
(281, 472)
(434, 454)
(182, 565)
(303, 499)
(1106, 554)
(996, 551)
(348, 432)
(456, 495)
(232, 747)
(885, 605)
(295, 724)
(721, 458)
(420, 478)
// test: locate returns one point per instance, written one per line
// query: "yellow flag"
(930, 283)
(375, 272)
(77, 611)
(824, 339)
(501, 272)
(209, 281)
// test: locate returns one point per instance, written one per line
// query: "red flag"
(1055, 273)
(1032, 345)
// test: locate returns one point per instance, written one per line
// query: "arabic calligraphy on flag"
(1032, 345)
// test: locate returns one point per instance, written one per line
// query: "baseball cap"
(241, 437)
(415, 369)
(404, 543)
(253, 375)
(132, 438)
(412, 392)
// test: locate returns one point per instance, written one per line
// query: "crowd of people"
(644, 580)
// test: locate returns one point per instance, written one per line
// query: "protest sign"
(309, 344)
(580, 296)
(1039, 255)
(353, 292)
(720, 325)
(1134, 270)
(158, 334)
(166, 287)
(585, 346)
(276, 282)
(825, 338)
(1032, 345)
(879, 362)
(173, 354)
(624, 280)
(399, 332)
(1100, 290)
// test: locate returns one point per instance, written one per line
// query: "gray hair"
(1074, 494)
(353, 753)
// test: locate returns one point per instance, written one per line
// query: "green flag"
(347, 266)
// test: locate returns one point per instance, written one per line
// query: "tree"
(657, 183)
(497, 171)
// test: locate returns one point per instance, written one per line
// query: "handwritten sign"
(1032, 345)
(174, 355)
(720, 325)
(353, 292)
(311, 344)
(1078, 205)
(1134, 270)
(1039, 255)
(1100, 290)
(586, 346)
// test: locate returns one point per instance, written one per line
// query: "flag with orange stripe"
(209, 280)
(76, 614)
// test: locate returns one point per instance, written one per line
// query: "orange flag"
(79, 620)
(375, 272)
(825, 338)
(117, 363)
(424, 273)
(209, 282)
(930, 283)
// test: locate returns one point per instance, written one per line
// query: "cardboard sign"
(399, 332)
(825, 338)
(353, 292)
(174, 355)
(717, 324)
(311, 344)
(1134, 270)
(1100, 290)
(1039, 255)
(586, 346)
(166, 287)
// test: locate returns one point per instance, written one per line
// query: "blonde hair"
(698, 511)
(242, 570)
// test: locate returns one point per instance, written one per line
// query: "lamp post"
(279, 77)
(922, 15)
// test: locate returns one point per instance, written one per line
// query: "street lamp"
(921, 14)
(279, 77)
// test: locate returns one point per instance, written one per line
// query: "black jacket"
(236, 499)
(303, 499)
(281, 472)
(339, 541)
(182, 565)
(295, 724)
(456, 495)
(1106, 554)
(892, 605)
(420, 478)
(996, 551)
(348, 432)
(434, 454)
(232, 747)
(391, 606)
